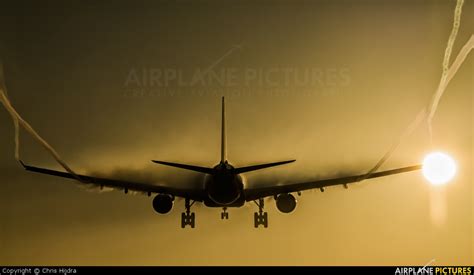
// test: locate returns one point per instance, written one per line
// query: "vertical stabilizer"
(223, 138)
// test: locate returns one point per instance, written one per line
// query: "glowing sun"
(438, 168)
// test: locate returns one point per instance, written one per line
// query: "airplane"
(224, 186)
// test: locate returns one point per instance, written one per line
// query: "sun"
(438, 168)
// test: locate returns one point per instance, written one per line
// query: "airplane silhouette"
(223, 187)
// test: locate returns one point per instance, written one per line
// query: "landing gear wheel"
(260, 217)
(224, 214)
(193, 220)
(188, 217)
(183, 220)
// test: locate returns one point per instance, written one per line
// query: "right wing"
(192, 194)
(262, 192)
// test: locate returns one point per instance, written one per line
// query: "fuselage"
(224, 187)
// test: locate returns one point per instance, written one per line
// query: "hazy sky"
(112, 85)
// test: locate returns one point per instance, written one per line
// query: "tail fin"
(223, 138)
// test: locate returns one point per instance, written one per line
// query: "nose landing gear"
(188, 217)
(224, 214)
(260, 217)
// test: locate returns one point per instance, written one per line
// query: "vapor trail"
(216, 62)
(15, 124)
(447, 54)
(452, 36)
(408, 131)
(448, 73)
(446, 78)
(18, 120)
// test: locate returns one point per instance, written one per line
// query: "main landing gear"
(260, 217)
(224, 214)
(188, 217)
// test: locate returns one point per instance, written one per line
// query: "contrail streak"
(14, 119)
(215, 63)
(446, 78)
(408, 131)
(18, 120)
(452, 36)
(448, 73)
(447, 54)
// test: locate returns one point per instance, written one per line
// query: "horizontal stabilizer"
(199, 169)
(260, 166)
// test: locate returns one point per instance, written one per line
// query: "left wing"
(261, 192)
(192, 194)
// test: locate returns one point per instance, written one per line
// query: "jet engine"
(163, 203)
(285, 203)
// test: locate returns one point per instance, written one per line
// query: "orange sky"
(376, 66)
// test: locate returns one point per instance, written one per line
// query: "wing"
(261, 192)
(193, 194)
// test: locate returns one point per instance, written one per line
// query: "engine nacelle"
(285, 203)
(163, 203)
